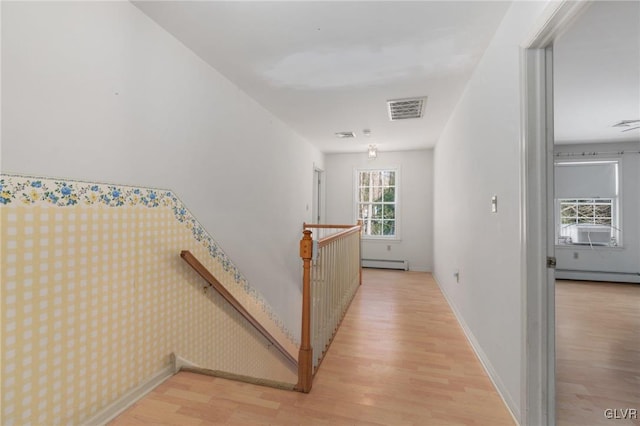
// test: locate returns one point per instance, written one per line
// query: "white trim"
(588, 248)
(618, 208)
(110, 412)
(179, 363)
(538, 295)
(537, 404)
(318, 202)
(507, 398)
(398, 210)
(383, 238)
(555, 20)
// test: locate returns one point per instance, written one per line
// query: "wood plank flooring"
(399, 358)
(597, 352)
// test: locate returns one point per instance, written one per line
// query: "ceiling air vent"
(344, 135)
(401, 109)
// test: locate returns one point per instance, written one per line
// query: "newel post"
(305, 373)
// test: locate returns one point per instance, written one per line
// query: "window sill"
(575, 247)
(381, 239)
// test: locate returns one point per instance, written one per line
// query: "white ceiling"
(326, 67)
(597, 74)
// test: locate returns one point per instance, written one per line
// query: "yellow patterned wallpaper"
(95, 298)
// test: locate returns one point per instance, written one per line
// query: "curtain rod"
(593, 153)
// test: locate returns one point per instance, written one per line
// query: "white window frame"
(616, 215)
(613, 227)
(356, 203)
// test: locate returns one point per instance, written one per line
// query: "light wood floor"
(597, 351)
(399, 358)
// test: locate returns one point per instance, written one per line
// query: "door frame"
(536, 208)
(318, 196)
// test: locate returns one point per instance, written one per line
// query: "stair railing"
(331, 275)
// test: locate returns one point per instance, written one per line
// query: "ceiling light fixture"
(366, 132)
(373, 151)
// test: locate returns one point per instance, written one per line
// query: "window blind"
(586, 180)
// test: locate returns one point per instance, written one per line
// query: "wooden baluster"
(305, 369)
(332, 290)
(326, 292)
(336, 274)
(360, 249)
(339, 285)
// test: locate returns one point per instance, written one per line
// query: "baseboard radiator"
(385, 264)
(610, 276)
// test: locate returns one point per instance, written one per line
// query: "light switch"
(494, 204)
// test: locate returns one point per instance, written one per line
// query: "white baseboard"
(512, 407)
(110, 412)
(179, 363)
(420, 269)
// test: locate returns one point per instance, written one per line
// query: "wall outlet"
(389, 248)
(575, 255)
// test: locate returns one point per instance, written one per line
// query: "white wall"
(97, 91)
(478, 156)
(415, 200)
(620, 259)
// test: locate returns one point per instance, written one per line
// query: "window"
(587, 203)
(377, 202)
(587, 221)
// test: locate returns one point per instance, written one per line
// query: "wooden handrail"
(317, 225)
(213, 282)
(328, 240)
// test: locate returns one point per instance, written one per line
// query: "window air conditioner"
(596, 235)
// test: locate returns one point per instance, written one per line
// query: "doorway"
(538, 344)
(538, 210)
(317, 210)
(597, 164)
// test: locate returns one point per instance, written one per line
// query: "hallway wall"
(97, 91)
(479, 156)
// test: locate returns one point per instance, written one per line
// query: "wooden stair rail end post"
(188, 257)
(305, 368)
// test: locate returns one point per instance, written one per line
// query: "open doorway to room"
(317, 212)
(596, 215)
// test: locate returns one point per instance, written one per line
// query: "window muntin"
(376, 202)
(587, 203)
(587, 222)
(593, 211)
